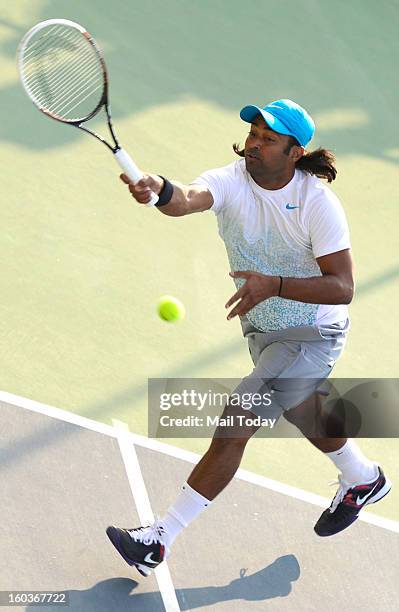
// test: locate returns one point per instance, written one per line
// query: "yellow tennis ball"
(170, 308)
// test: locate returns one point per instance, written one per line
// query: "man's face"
(267, 152)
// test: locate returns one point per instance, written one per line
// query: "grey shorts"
(290, 364)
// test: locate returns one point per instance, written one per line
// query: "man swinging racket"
(288, 244)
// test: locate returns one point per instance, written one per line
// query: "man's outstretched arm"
(186, 199)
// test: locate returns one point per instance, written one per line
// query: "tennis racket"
(63, 72)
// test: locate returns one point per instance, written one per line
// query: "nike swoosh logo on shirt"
(361, 500)
(290, 206)
(148, 559)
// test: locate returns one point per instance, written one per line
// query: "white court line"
(57, 413)
(188, 456)
(144, 510)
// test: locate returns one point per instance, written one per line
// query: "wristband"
(166, 193)
(281, 285)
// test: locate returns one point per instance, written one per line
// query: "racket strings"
(63, 92)
(41, 41)
(71, 84)
(30, 65)
(62, 55)
(59, 86)
(63, 73)
(55, 96)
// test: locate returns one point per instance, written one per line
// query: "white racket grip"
(132, 172)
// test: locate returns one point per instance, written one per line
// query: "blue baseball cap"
(285, 117)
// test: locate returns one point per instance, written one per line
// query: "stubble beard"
(256, 168)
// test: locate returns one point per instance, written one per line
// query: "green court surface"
(83, 264)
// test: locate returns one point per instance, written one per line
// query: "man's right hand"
(142, 190)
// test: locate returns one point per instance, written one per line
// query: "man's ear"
(296, 153)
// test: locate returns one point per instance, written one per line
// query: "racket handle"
(132, 172)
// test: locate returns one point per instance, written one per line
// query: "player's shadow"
(272, 581)
(119, 593)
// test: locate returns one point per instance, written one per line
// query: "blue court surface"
(64, 478)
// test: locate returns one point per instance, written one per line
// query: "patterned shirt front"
(278, 232)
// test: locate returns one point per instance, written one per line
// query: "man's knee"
(306, 416)
(315, 420)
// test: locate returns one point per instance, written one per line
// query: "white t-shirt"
(278, 232)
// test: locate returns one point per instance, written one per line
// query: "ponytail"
(320, 162)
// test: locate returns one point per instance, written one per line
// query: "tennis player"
(288, 245)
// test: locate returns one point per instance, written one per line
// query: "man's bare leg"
(309, 419)
(342, 451)
(221, 461)
(211, 475)
(362, 481)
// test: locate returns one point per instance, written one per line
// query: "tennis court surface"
(64, 478)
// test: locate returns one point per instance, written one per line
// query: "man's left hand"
(258, 287)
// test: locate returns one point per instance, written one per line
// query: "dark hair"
(320, 162)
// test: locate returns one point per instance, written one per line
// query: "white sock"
(188, 505)
(355, 467)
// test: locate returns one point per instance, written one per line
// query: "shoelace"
(339, 496)
(151, 534)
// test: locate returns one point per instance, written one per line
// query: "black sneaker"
(142, 547)
(348, 502)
